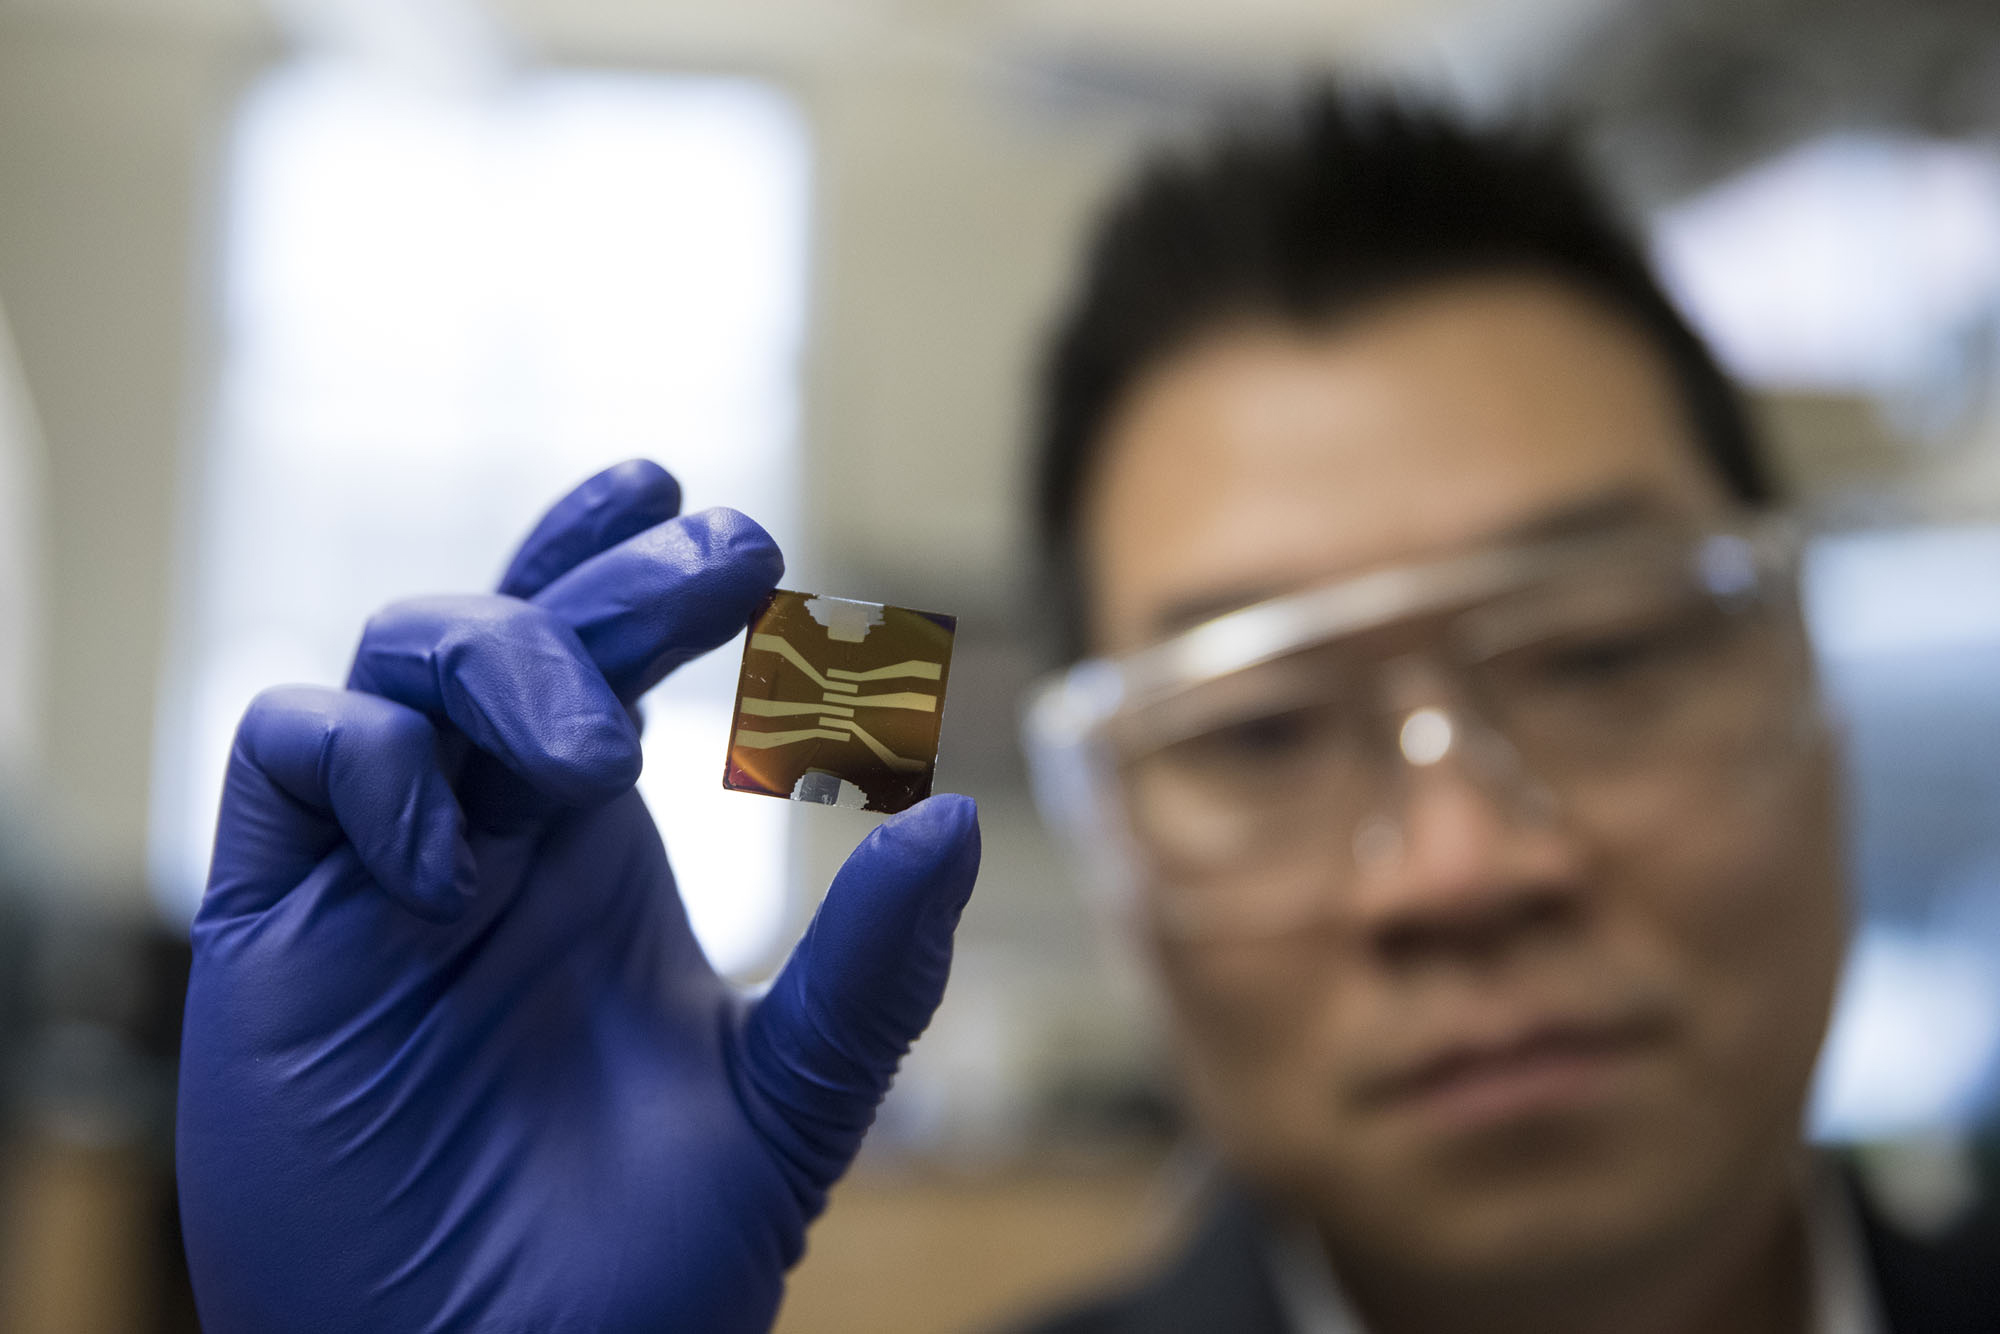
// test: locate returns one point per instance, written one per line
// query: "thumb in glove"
(822, 1045)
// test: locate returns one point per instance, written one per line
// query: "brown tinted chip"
(839, 702)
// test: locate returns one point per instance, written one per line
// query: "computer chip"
(839, 702)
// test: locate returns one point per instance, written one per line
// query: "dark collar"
(1220, 1280)
(1948, 1283)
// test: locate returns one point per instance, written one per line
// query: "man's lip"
(1542, 1066)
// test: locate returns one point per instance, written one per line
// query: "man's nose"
(1467, 855)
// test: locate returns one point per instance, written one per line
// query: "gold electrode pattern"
(837, 709)
(840, 702)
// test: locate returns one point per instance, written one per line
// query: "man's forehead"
(1269, 461)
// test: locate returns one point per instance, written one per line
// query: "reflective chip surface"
(839, 702)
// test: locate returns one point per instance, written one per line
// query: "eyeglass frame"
(1067, 719)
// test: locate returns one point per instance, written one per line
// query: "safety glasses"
(1238, 773)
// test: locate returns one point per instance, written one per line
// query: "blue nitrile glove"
(453, 1060)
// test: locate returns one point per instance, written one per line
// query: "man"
(1489, 863)
(1447, 710)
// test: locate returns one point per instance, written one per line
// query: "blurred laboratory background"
(310, 304)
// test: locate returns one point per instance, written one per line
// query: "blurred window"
(1856, 262)
(441, 308)
(1907, 628)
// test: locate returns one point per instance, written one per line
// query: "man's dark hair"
(1344, 202)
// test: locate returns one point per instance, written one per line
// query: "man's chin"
(1539, 1204)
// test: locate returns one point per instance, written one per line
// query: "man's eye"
(1269, 739)
(1611, 657)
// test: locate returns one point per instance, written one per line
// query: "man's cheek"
(1261, 996)
(1259, 1036)
(1751, 916)
(1231, 1005)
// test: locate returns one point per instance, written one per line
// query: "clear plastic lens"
(1657, 672)
(1647, 669)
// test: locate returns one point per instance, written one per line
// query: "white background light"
(1906, 629)
(442, 307)
(1855, 262)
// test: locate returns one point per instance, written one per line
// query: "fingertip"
(936, 840)
(945, 818)
(622, 753)
(621, 501)
(667, 595)
(444, 888)
(596, 758)
(731, 537)
(643, 483)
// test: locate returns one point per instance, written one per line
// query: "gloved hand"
(452, 1059)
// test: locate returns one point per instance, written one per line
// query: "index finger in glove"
(515, 681)
(669, 594)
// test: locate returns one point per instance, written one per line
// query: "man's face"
(1527, 1047)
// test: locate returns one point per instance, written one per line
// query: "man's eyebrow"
(1603, 511)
